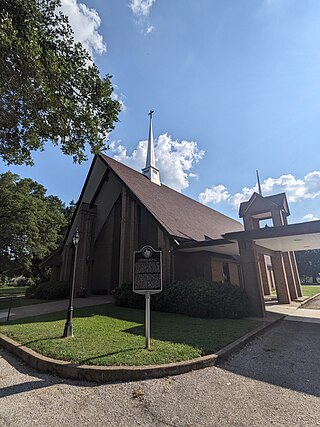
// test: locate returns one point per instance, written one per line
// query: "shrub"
(197, 298)
(125, 297)
(49, 290)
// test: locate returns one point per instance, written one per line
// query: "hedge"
(197, 298)
(49, 290)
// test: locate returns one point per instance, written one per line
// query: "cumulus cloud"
(141, 10)
(141, 7)
(175, 159)
(310, 217)
(85, 23)
(296, 189)
(215, 194)
(118, 96)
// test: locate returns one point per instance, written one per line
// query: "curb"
(102, 374)
(306, 301)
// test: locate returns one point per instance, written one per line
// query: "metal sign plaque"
(147, 271)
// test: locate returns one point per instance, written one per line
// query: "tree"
(50, 90)
(31, 224)
(309, 264)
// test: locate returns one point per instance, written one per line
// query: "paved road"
(274, 381)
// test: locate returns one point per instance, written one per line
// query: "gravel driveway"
(272, 382)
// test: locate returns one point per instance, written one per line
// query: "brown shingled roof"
(278, 200)
(178, 214)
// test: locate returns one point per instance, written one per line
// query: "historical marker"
(147, 271)
(147, 279)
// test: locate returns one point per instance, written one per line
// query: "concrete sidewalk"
(294, 312)
(53, 306)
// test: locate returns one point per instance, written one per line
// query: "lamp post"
(68, 330)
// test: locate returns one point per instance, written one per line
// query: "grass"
(110, 335)
(18, 295)
(309, 290)
(9, 291)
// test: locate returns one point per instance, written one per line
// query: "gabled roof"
(276, 200)
(179, 215)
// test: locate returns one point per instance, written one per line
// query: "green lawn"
(309, 290)
(110, 335)
(18, 295)
(8, 291)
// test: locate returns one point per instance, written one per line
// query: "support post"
(290, 276)
(296, 273)
(280, 278)
(251, 279)
(264, 275)
(147, 320)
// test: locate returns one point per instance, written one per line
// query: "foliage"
(50, 89)
(30, 224)
(109, 335)
(49, 290)
(125, 297)
(198, 298)
(309, 264)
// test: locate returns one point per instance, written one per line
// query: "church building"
(121, 210)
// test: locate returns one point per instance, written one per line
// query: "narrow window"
(226, 272)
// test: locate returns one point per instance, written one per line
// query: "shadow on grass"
(206, 335)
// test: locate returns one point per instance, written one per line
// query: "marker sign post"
(147, 279)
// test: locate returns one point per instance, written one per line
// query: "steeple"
(259, 185)
(150, 170)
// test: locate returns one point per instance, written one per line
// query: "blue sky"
(235, 86)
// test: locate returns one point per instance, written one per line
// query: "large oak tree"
(50, 90)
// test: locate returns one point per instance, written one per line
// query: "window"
(226, 272)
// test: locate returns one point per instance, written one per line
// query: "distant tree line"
(309, 265)
(32, 224)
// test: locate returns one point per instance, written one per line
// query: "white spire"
(150, 170)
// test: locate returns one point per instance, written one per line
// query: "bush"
(197, 298)
(125, 297)
(49, 290)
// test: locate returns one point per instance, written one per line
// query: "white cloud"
(174, 159)
(118, 96)
(85, 23)
(149, 29)
(296, 189)
(193, 175)
(215, 194)
(141, 7)
(310, 217)
(141, 10)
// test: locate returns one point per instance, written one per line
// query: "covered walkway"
(279, 244)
